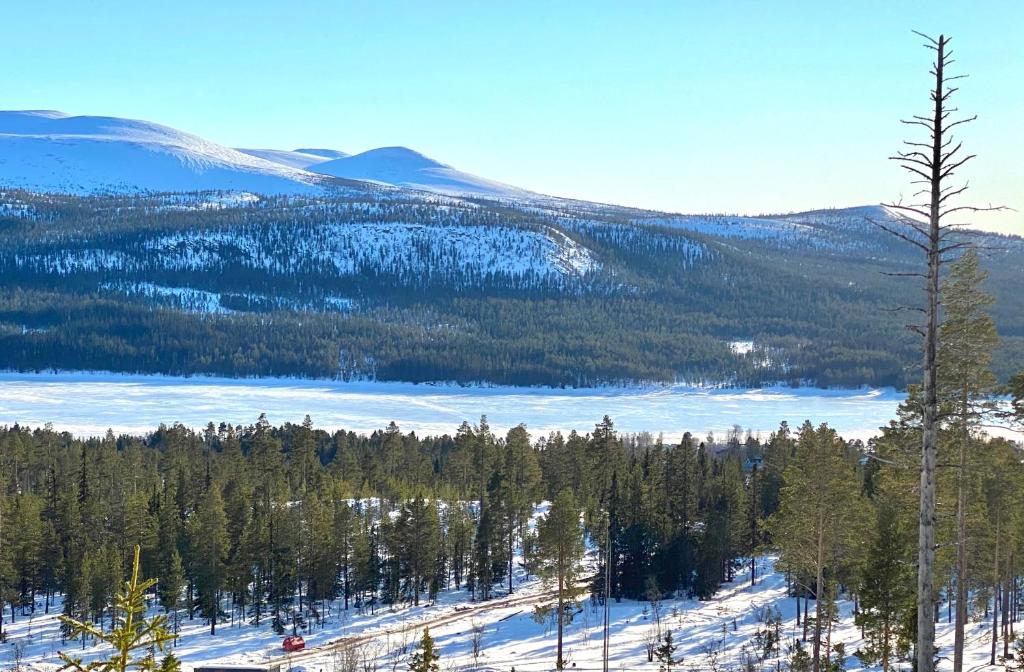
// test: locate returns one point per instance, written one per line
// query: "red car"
(293, 643)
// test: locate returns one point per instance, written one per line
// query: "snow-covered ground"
(89, 404)
(714, 634)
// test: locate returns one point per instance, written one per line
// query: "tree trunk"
(807, 598)
(961, 543)
(828, 639)
(1006, 609)
(886, 638)
(995, 596)
(818, 592)
(511, 549)
(559, 663)
(929, 425)
(753, 523)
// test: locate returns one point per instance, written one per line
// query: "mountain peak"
(400, 154)
(47, 150)
(404, 167)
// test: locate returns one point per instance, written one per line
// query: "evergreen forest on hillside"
(383, 286)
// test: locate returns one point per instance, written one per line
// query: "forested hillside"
(377, 282)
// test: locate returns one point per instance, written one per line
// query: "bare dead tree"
(933, 164)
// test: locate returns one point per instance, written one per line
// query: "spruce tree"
(426, 658)
(665, 653)
(172, 582)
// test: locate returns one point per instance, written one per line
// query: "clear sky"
(687, 106)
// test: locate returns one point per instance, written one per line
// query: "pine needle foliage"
(132, 633)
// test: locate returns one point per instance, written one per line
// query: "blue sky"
(689, 106)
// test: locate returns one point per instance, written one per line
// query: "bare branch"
(956, 246)
(918, 123)
(899, 234)
(961, 121)
(951, 194)
(947, 155)
(971, 208)
(915, 171)
(948, 170)
(908, 208)
(931, 39)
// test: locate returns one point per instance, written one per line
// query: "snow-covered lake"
(89, 404)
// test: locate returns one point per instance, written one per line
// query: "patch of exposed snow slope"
(403, 167)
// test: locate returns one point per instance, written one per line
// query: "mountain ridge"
(57, 152)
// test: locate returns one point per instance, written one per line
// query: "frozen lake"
(89, 404)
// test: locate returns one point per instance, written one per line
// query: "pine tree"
(967, 339)
(557, 555)
(818, 515)
(303, 460)
(131, 634)
(418, 543)
(209, 543)
(483, 552)
(6, 568)
(521, 481)
(343, 531)
(426, 658)
(886, 589)
(319, 554)
(1016, 389)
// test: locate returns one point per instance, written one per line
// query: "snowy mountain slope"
(52, 151)
(403, 167)
(853, 228)
(292, 159)
(329, 243)
(325, 153)
(730, 226)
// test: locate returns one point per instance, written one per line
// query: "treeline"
(285, 523)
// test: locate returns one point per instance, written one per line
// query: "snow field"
(710, 635)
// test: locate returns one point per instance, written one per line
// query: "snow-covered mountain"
(45, 150)
(403, 167)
